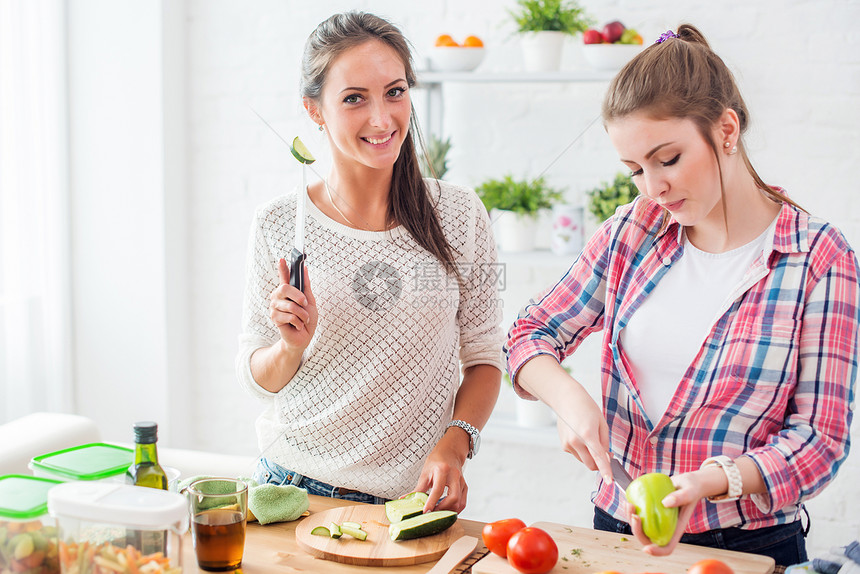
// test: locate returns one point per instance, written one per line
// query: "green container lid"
(94, 461)
(24, 497)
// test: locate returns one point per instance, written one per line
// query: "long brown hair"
(410, 203)
(681, 77)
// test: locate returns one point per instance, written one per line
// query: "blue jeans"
(784, 543)
(267, 472)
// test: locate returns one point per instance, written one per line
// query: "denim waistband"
(268, 472)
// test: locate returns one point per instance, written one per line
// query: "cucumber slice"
(418, 495)
(349, 524)
(403, 508)
(321, 531)
(301, 152)
(424, 525)
(334, 530)
(356, 533)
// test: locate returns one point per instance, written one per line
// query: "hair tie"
(665, 36)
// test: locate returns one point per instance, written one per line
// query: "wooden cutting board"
(584, 551)
(378, 549)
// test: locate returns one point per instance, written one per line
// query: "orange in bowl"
(473, 42)
(446, 40)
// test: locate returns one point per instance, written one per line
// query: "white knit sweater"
(377, 383)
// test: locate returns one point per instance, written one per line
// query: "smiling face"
(672, 164)
(365, 106)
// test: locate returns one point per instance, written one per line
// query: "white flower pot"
(567, 228)
(534, 414)
(514, 231)
(542, 51)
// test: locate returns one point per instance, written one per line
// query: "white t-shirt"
(377, 384)
(667, 331)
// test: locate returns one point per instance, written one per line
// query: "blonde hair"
(681, 77)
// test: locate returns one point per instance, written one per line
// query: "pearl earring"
(734, 150)
(726, 145)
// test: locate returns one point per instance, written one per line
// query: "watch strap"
(733, 474)
(473, 433)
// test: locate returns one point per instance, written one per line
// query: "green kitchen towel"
(184, 484)
(273, 503)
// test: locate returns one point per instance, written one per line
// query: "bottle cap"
(145, 432)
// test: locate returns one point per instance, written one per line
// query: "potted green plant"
(434, 161)
(543, 25)
(514, 206)
(605, 198)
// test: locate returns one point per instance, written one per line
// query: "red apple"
(612, 31)
(592, 36)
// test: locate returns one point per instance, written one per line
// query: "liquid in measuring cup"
(219, 539)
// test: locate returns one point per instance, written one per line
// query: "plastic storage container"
(107, 528)
(28, 535)
(94, 461)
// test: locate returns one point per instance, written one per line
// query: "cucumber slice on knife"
(301, 152)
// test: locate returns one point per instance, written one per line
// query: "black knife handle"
(297, 269)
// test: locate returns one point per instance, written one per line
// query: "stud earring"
(734, 150)
(726, 145)
(322, 128)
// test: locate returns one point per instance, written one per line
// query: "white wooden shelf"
(434, 82)
(428, 78)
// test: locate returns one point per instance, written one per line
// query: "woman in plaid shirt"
(729, 318)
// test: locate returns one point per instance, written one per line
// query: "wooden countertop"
(272, 549)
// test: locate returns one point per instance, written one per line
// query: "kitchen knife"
(297, 255)
(619, 475)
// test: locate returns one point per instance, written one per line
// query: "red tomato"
(496, 534)
(532, 551)
(710, 566)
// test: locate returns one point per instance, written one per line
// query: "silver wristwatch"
(474, 435)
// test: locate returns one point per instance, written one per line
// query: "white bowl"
(455, 59)
(610, 56)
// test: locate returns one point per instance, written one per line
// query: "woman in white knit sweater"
(361, 373)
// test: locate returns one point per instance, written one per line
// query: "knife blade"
(619, 475)
(297, 255)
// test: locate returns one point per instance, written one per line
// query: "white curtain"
(35, 347)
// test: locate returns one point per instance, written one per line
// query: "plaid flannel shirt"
(773, 380)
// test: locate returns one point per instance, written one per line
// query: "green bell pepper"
(646, 493)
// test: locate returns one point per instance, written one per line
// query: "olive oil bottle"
(146, 470)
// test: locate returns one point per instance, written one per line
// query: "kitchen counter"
(272, 549)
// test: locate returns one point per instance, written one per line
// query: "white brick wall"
(798, 63)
